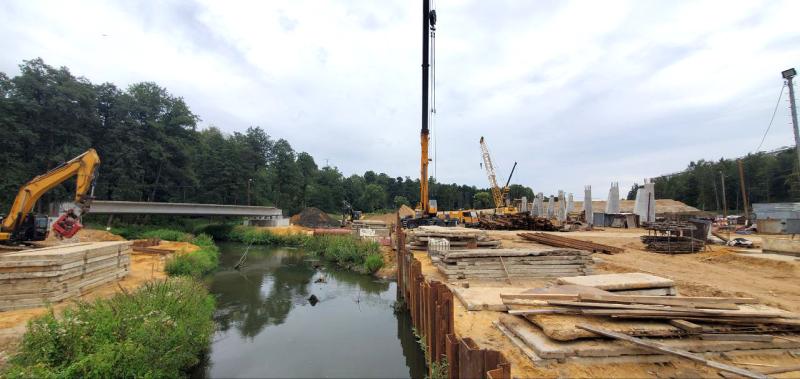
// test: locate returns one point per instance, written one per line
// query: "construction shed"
(777, 218)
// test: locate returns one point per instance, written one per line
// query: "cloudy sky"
(583, 92)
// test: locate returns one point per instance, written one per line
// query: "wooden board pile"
(36, 277)
(560, 241)
(672, 244)
(519, 221)
(506, 264)
(570, 322)
(459, 238)
(631, 283)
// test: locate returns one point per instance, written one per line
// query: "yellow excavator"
(22, 225)
(502, 205)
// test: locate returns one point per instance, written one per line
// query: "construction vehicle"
(426, 210)
(21, 225)
(502, 204)
(465, 217)
(349, 214)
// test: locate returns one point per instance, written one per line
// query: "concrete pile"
(505, 264)
(37, 277)
(457, 237)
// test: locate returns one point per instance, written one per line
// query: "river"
(267, 327)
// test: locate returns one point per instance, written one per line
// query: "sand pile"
(405, 211)
(313, 218)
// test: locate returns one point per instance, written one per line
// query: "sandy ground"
(719, 272)
(144, 267)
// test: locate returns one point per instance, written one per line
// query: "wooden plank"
(667, 300)
(673, 351)
(781, 370)
(737, 337)
(626, 281)
(689, 327)
(586, 304)
(540, 296)
(525, 349)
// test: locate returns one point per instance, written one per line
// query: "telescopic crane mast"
(428, 22)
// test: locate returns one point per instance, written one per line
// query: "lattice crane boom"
(497, 192)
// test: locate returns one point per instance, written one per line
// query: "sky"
(577, 92)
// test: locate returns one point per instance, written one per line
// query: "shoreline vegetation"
(162, 328)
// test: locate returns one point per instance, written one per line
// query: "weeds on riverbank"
(436, 370)
(196, 263)
(157, 331)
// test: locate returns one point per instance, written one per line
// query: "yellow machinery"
(21, 224)
(426, 211)
(499, 195)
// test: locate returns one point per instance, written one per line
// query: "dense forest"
(152, 149)
(768, 177)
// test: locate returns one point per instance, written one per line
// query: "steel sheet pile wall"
(431, 308)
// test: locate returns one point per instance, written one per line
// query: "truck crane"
(22, 225)
(499, 195)
(426, 210)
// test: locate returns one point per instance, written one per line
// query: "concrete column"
(587, 205)
(550, 209)
(612, 204)
(645, 205)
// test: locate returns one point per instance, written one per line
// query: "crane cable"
(774, 111)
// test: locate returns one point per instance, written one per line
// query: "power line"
(774, 111)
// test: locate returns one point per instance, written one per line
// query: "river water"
(267, 327)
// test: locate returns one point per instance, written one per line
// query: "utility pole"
(249, 181)
(788, 75)
(724, 200)
(744, 193)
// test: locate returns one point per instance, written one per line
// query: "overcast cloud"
(578, 93)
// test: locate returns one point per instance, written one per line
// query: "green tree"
(373, 198)
(482, 200)
(399, 201)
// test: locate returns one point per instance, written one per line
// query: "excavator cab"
(33, 227)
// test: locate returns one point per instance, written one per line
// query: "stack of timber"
(458, 238)
(505, 264)
(36, 277)
(570, 322)
(560, 241)
(631, 283)
(518, 221)
(673, 244)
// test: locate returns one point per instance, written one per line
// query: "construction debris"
(459, 238)
(36, 277)
(507, 264)
(517, 221)
(567, 321)
(559, 241)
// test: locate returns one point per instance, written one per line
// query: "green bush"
(347, 251)
(157, 331)
(373, 262)
(257, 236)
(196, 263)
(167, 235)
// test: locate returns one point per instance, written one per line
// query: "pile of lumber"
(560, 241)
(567, 322)
(505, 264)
(630, 283)
(458, 238)
(36, 277)
(672, 244)
(519, 221)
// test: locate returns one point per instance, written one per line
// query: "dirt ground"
(144, 267)
(718, 272)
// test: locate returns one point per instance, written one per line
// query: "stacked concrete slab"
(501, 264)
(37, 277)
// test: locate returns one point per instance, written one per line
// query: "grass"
(196, 263)
(157, 331)
(168, 235)
(437, 370)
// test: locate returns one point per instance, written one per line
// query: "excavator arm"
(83, 166)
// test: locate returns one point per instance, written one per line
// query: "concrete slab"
(484, 298)
(626, 281)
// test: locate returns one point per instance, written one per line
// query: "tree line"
(152, 149)
(768, 177)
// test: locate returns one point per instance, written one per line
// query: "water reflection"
(268, 328)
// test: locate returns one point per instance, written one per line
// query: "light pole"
(249, 182)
